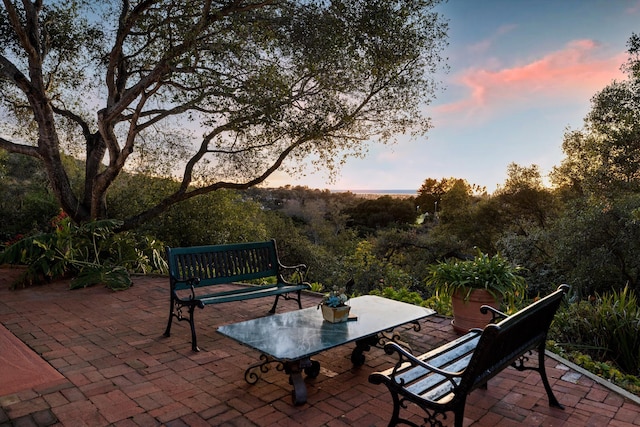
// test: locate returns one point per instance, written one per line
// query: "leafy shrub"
(26, 201)
(210, 219)
(604, 370)
(93, 253)
(606, 328)
(441, 304)
(370, 215)
(371, 273)
(402, 294)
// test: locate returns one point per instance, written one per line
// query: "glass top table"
(292, 338)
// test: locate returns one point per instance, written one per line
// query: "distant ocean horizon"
(380, 192)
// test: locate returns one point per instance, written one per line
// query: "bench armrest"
(405, 357)
(192, 282)
(495, 313)
(299, 270)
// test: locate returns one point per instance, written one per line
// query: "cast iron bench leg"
(545, 381)
(275, 303)
(192, 323)
(167, 332)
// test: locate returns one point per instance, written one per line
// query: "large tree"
(431, 192)
(603, 158)
(523, 201)
(219, 93)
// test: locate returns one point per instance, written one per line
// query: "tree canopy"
(603, 158)
(431, 192)
(220, 94)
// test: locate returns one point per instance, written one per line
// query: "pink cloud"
(635, 8)
(575, 72)
(484, 45)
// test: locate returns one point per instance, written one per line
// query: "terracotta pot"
(466, 314)
(335, 314)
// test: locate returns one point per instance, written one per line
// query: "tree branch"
(182, 195)
(13, 147)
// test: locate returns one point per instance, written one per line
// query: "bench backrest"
(502, 343)
(219, 264)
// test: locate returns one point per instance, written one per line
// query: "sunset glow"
(521, 74)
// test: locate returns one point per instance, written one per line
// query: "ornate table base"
(290, 339)
(311, 368)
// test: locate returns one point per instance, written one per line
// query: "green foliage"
(595, 245)
(468, 217)
(114, 277)
(317, 287)
(440, 303)
(400, 294)
(606, 370)
(533, 251)
(371, 272)
(632, 67)
(373, 214)
(604, 156)
(26, 202)
(495, 274)
(523, 202)
(606, 328)
(294, 247)
(431, 192)
(215, 218)
(91, 253)
(410, 250)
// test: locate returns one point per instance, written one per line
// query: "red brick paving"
(119, 370)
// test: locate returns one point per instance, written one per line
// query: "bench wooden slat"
(440, 380)
(453, 357)
(428, 381)
(250, 293)
(439, 358)
(207, 267)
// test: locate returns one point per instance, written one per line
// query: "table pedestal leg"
(357, 356)
(295, 370)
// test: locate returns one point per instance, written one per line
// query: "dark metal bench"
(440, 380)
(195, 272)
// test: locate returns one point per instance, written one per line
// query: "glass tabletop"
(302, 333)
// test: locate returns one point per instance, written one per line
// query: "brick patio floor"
(119, 370)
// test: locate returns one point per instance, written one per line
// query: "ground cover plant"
(91, 254)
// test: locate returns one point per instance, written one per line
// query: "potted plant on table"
(483, 280)
(334, 305)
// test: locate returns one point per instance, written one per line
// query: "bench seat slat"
(246, 288)
(251, 293)
(428, 381)
(470, 336)
(439, 358)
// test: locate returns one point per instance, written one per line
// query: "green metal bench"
(195, 272)
(440, 380)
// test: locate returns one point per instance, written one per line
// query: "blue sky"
(521, 73)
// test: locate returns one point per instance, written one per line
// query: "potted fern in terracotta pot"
(483, 280)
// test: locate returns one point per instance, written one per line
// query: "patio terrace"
(112, 366)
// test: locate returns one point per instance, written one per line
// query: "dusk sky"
(521, 73)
